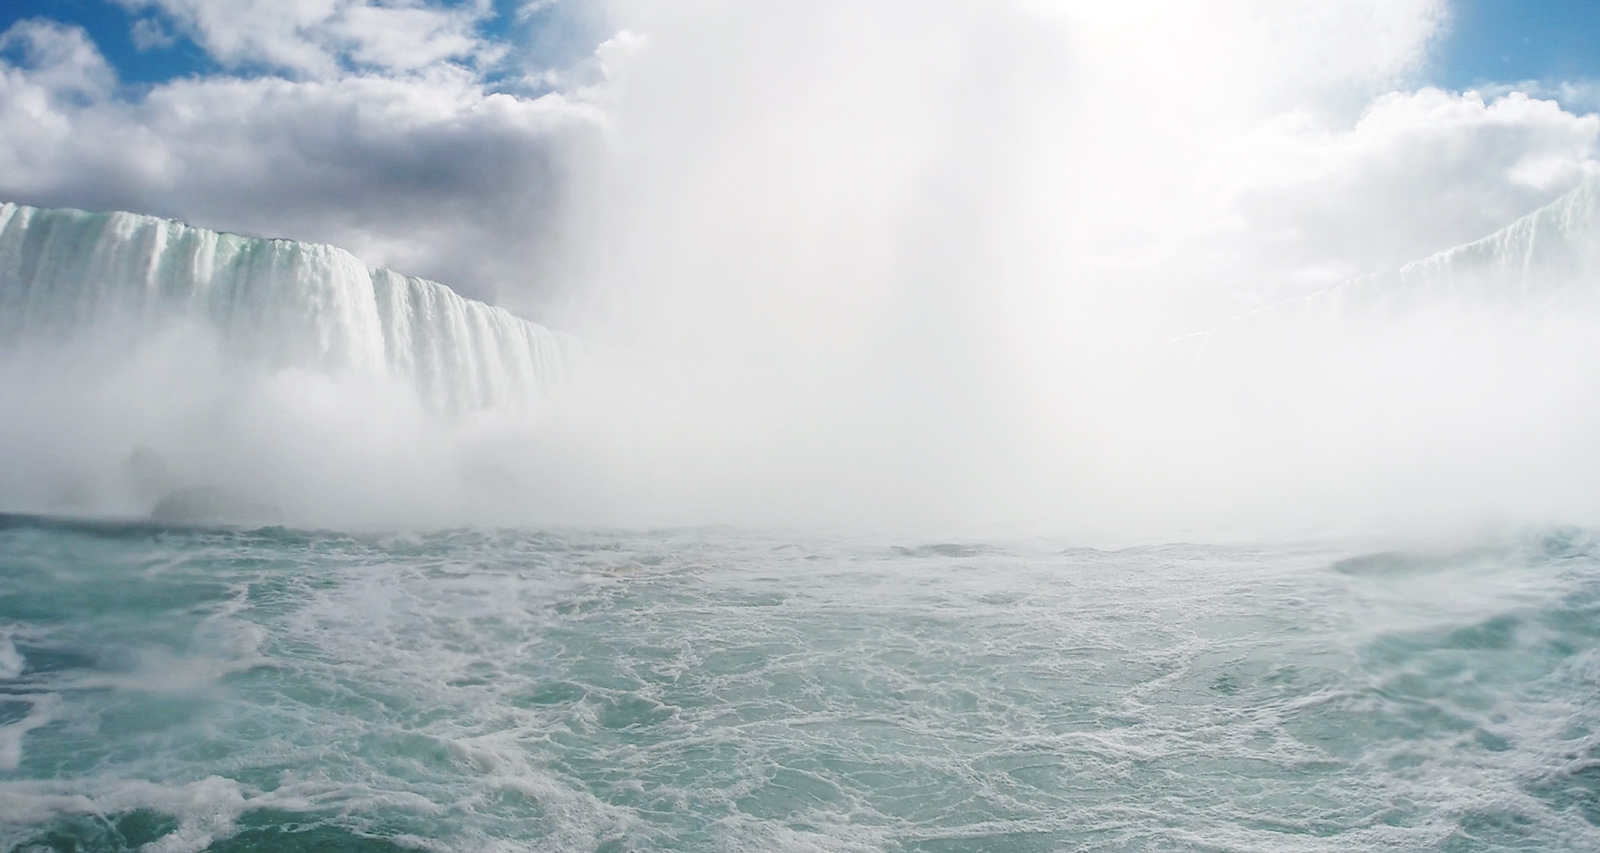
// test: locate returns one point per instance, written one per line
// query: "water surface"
(175, 689)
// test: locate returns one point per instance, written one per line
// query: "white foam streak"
(40, 714)
(12, 662)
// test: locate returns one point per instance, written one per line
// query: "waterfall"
(1551, 255)
(1545, 262)
(279, 304)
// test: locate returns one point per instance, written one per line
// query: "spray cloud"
(944, 263)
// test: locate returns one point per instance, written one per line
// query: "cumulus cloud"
(59, 64)
(321, 38)
(1417, 173)
(425, 171)
(149, 34)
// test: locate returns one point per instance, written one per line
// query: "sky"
(1494, 42)
(1487, 42)
(448, 139)
(147, 46)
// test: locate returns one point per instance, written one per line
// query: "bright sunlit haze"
(907, 263)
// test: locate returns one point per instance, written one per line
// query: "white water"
(277, 304)
(142, 354)
(1544, 261)
(713, 690)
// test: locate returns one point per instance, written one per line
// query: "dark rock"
(210, 505)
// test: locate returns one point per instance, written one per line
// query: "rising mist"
(1035, 265)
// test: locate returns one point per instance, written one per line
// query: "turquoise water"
(181, 690)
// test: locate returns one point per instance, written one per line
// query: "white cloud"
(1580, 95)
(319, 38)
(149, 34)
(1417, 173)
(62, 63)
(405, 39)
(427, 172)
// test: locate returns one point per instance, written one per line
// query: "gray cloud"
(427, 172)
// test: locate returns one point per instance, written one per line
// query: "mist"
(945, 264)
(1034, 266)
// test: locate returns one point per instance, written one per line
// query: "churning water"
(175, 689)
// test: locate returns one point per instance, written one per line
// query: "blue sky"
(111, 28)
(1489, 41)
(1507, 41)
(549, 34)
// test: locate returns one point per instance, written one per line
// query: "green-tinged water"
(175, 690)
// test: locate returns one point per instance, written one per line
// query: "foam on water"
(706, 689)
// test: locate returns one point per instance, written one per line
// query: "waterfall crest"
(280, 304)
(1549, 255)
